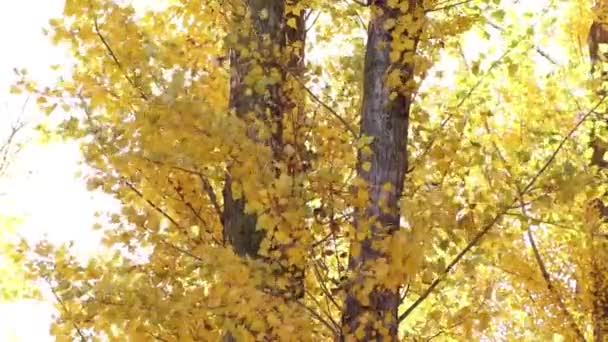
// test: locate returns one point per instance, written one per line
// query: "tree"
(388, 84)
(367, 193)
(13, 284)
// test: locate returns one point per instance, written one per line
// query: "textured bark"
(281, 47)
(598, 34)
(273, 38)
(599, 259)
(386, 120)
(239, 227)
(599, 278)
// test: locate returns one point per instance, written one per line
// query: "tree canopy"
(334, 170)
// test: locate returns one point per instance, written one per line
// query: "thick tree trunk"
(239, 227)
(280, 48)
(370, 310)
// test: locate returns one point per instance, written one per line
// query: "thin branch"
(551, 287)
(322, 286)
(546, 275)
(447, 7)
(538, 50)
(540, 221)
(326, 106)
(562, 143)
(361, 21)
(153, 205)
(361, 3)
(168, 217)
(462, 55)
(336, 326)
(333, 329)
(314, 21)
(451, 265)
(469, 93)
(212, 196)
(182, 198)
(206, 184)
(496, 218)
(7, 147)
(65, 309)
(115, 59)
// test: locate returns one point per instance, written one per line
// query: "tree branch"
(552, 289)
(116, 61)
(496, 218)
(462, 101)
(326, 106)
(451, 265)
(446, 7)
(65, 309)
(536, 48)
(168, 217)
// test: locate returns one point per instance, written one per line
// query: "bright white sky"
(42, 189)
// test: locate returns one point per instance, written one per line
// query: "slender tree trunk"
(599, 278)
(599, 242)
(370, 310)
(599, 259)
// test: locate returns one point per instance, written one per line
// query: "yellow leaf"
(264, 14)
(389, 24)
(366, 166)
(15, 90)
(283, 184)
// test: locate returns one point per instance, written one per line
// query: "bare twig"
(538, 50)
(314, 21)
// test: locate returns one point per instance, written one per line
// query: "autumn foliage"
(333, 170)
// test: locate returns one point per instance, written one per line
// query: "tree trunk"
(599, 278)
(281, 49)
(599, 258)
(370, 310)
(239, 227)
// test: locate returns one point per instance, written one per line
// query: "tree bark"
(372, 314)
(599, 278)
(274, 38)
(240, 227)
(599, 258)
(280, 48)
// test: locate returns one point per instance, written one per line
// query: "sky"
(42, 188)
